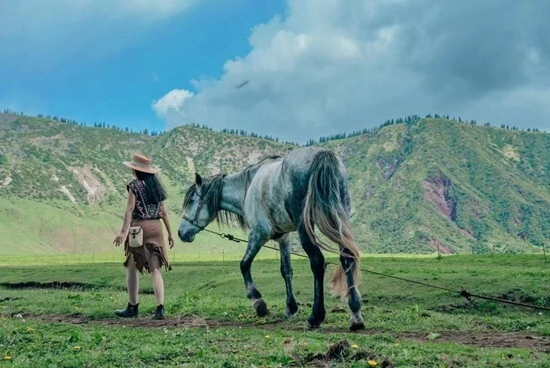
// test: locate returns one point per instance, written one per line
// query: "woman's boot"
(131, 311)
(159, 312)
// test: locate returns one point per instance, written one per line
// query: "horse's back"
(297, 166)
(300, 159)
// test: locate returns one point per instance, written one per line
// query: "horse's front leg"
(287, 273)
(255, 242)
(317, 264)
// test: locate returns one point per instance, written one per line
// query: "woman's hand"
(170, 241)
(119, 239)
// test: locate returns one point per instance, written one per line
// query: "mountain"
(458, 187)
(418, 185)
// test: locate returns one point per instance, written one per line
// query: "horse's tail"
(325, 208)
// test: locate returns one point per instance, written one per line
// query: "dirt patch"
(190, 165)
(342, 351)
(63, 285)
(440, 247)
(518, 295)
(491, 339)
(146, 322)
(47, 285)
(7, 181)
(9, 298)
(491, 307)
(511, 152)
(437, 192)
(388, 167)
(66, 191)
(94, 187)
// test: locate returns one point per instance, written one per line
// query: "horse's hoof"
(291, 310)
(290, 315)
(313, 323)
(357, 327)
(260, 307)
(313, 326)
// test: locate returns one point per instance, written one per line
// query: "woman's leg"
(158, 282)
(132, 286)
(132, 281)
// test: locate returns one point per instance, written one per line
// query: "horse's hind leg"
(255, 242)
(287, 273)
(349, 265)
(317, 264)
(354, 299)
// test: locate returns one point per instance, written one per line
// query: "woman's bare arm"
(127, 219)
(166, 221)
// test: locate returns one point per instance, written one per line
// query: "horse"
(304, 189)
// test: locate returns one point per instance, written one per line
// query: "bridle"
(194, 221)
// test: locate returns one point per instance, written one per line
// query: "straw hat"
(141, 163)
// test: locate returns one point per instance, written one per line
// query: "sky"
(291, 69)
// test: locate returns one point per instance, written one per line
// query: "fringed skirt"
(153, 246)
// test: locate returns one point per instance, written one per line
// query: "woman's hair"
(153, 188)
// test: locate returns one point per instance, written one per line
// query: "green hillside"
(416, 187)
(459, 187)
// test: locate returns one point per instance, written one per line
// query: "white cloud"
(338, 65)
(169, 106)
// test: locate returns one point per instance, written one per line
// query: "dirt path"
(486, 339)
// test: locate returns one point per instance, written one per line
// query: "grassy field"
(61, 315)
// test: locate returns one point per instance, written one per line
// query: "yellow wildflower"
(30, 329)
(355, 346)
(7, 357)
(77, 347)
(372, 363)
(267, 336)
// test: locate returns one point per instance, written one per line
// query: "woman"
(145, 209)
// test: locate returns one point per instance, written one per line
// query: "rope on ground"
(463, 292)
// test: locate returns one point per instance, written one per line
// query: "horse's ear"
(198, 179)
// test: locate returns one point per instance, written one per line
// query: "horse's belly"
(283, 224)
(265, 201)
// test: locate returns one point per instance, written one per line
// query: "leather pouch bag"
(135, 237)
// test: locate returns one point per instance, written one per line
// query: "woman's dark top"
(144, 209)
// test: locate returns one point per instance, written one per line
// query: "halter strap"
(194, 221)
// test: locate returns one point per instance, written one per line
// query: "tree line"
(407, 120)
(96, 125)
(411, 119)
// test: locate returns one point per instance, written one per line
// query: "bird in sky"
(243, 84)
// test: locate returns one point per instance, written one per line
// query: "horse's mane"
(212, 191)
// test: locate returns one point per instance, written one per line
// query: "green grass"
(39, 231)
(407, 325)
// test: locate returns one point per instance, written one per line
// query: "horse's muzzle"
(186, 237)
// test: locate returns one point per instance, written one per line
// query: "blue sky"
(118, 85)
(315, 67)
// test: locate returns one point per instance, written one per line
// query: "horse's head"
(198, 209)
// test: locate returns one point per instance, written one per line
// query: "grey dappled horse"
(306, 188)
